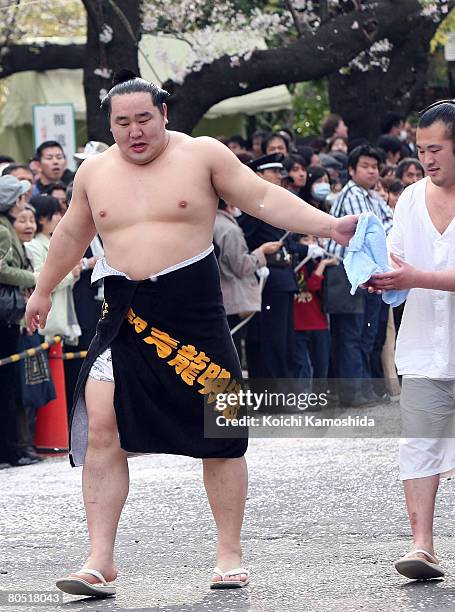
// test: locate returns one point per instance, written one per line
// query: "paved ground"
(325, 518)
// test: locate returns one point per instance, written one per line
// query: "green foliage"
(440, 38)
(310, 103)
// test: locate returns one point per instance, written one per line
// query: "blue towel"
(367, 255)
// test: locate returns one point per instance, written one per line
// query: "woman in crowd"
(337, 144)
(239, 283)
(317, 188)
(295, 167)
(14, 279)
(58, 191)
(36, 388)
(390, 189)
(62, 317)
(310, 322)
(409, 171)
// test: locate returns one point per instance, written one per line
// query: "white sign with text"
(56, 122)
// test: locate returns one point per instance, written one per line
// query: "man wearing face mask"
(354, 334)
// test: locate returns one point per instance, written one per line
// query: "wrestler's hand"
(344, 229)
(38, 307)
(404, 276)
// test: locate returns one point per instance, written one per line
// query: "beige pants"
(388, 358)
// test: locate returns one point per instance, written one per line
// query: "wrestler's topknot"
(125, 82)
(122, 76)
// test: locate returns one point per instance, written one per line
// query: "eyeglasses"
(435, 104)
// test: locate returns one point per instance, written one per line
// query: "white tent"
(62, 86)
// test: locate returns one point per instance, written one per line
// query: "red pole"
(51, 433)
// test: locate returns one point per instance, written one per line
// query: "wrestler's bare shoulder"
(92, 165)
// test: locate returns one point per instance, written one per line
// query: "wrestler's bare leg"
(105, 478)
(420, 499)
(226, 483)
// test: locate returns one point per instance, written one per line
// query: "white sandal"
(78, 586)
(417, 568)
(230, 584)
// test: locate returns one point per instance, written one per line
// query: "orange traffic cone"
(51, 434)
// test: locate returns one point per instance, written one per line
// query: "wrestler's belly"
(142, 253)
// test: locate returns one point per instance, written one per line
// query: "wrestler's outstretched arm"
(68, 244)
(237, 184)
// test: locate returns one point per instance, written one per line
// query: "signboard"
(56, 122)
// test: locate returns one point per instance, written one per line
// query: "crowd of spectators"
(276, 285)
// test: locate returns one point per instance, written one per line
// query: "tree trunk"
(363, 98)
(121, 51)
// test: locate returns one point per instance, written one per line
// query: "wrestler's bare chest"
(165, 211)
(122, 195)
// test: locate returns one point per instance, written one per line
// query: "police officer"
(270, 341)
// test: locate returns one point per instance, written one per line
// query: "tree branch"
(19, 58)
(333, 45)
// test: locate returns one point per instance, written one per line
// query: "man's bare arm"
(70, 239)
(239, 185)
(405, 276)
(442, 281)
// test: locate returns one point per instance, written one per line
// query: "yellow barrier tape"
(29, 352)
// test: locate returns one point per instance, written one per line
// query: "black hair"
(445, 113)
(318, 144)
(287, 133)
(357, 142)
(12, 167)
(391, 185)
(329, 125)
(306, 152)
(390, 120)
(6, 159)
(390, 144)
(126, 82)
(47, 144)
(259, 134)
(238, 140)
(50, 188)
(69, 192)
(363, 151)
(332, 141)
(314, 173)
(45, 207)
(272, 136)
(245, 158)
(406, 163)
(292, 159)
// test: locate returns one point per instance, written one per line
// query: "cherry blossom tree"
(390, 75)
(307, 39)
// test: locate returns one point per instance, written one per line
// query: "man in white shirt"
(422, 247)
